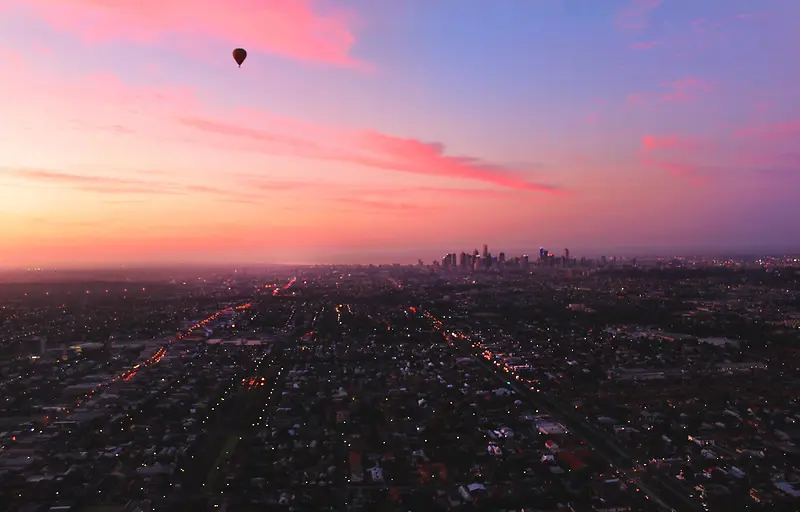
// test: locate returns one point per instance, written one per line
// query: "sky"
(363, 131)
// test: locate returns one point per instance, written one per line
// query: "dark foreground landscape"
(582, 388)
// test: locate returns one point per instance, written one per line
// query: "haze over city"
(368, 131)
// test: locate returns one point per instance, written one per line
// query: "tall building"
(485, 250)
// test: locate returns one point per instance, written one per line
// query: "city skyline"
(412, 258)
(358, 132)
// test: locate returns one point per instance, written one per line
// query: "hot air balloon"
(239, 54)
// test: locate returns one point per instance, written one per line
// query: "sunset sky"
(388, 130)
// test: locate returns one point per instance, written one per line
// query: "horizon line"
(403, 261)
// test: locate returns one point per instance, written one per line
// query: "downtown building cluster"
(486, 261)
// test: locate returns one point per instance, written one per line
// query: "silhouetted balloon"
(239, 54)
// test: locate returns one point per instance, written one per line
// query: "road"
(622, 462)
(130, 372)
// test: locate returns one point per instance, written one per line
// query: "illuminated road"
(284, 288)
(610, 451)
(157, 356)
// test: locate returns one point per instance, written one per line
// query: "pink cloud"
(751, 15)
(676, 145)
(774, 131)
(414, 156)
(762, 107)
(258, 183)
(707, 32)
(592, 118)
(771, 161)
(88, 183)
(669, 142)
(95, 90)
(709, 25)
(684, 89)
(636, 15)
(645, 45)
(106, 185)
(167, 115)
(704, 24)
(461, 193)
(679, 157)
(597, 109)
(384, 206)
(279, 139)
(290, 28)
(636, 99)
(368, 149)
(678, 91)
(703, 33)
(685, 171)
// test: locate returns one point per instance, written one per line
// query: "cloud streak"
(294, 29)
(384, 206)
(682, 90)
(687, 158)
(375, 150)
(89, 183)
(772, 132)
(656, 146)
(707, 26)
(340, 190)
(646, 45)
(636, 15)
(103, 103)
(669, 142)
(694, 174)
(122, 186)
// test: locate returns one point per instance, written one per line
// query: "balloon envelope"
(239, 54)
